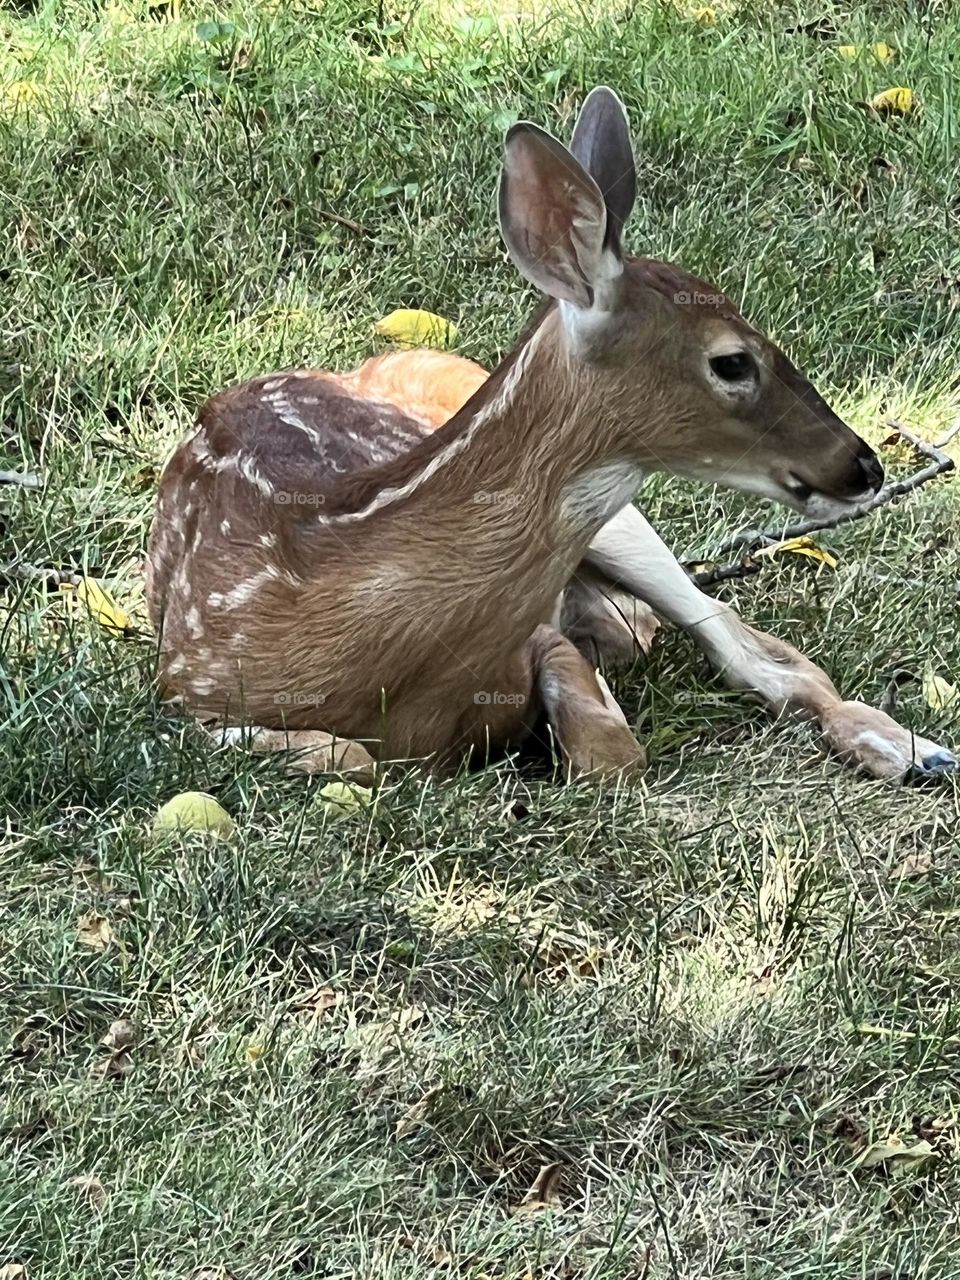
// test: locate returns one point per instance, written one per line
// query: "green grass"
(660, 989)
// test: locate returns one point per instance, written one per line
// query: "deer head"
(686, 384)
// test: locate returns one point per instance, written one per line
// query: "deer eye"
(736, 367)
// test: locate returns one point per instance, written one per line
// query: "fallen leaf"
(120, 1034)
(255, 1051)
(212, 1273)
(339, 799)
(706, 15)
(542, 1193)
(881, 51)
(416, 1115)
(112, 1068)
(194, 811)
(90, 1189)
(100, 604)
(411, 328)
(94, 931)
(896, 101)
(319, 1001)
(14, 97)
(894, 1153)
(917, 864)
(804, 546)
(939, 694)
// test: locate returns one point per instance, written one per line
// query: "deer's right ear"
(553, 218)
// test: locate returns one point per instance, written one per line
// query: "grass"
(357, 1042)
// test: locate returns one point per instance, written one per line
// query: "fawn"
(411, 560)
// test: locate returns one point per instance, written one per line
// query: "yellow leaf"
(100, 603)
(255, 1052)
(939, 694)
(410, 328)
(849, 51)
(883, 52)
(798, 547)
(894, 1153)
(94, 931)
(19, 94)
(194, 811)
(706, 16)
(897, 101)
(339, 799)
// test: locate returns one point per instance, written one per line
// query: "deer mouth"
(818, 503)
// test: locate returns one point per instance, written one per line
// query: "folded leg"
(630, 552)
(590, 728)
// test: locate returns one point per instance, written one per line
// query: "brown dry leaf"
(212, 1273)
(319, 1001)
(120, 1034)
(896, 1155)
(416, 1115)
(542, 1193)
(90, 1188)
(112, 1068)
(94, 931)
(917, 864)
(13, 1271)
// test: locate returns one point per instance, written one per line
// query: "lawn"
(721, 1002)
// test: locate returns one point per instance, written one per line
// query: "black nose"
(872, 469)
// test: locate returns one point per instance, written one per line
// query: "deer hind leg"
(590, 728)
(628, 550)
(310, 750)
(609, 625)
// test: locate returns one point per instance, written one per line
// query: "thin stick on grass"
(23, 479)
(748, 540)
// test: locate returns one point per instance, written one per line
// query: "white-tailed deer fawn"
(332, 567)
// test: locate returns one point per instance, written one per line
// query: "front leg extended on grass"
(628, 550)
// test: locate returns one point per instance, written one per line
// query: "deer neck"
(534, 448)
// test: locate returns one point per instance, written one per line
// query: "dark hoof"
(937, 765)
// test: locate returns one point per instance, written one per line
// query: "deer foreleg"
(629, 551)
(590, 728)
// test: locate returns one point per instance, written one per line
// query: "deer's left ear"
(553, 219)
(601, 142)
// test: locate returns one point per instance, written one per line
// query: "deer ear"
(552, 217)
(601, 142)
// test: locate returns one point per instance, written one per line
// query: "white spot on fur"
(202, 686)
(274, 384)
(248, 469)
(225, 528)
(176, 665)
(267, 539)
(193, 622)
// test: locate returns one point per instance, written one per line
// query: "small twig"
(748, 540)
(329, 216)
(20, 571)
(24, 479)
